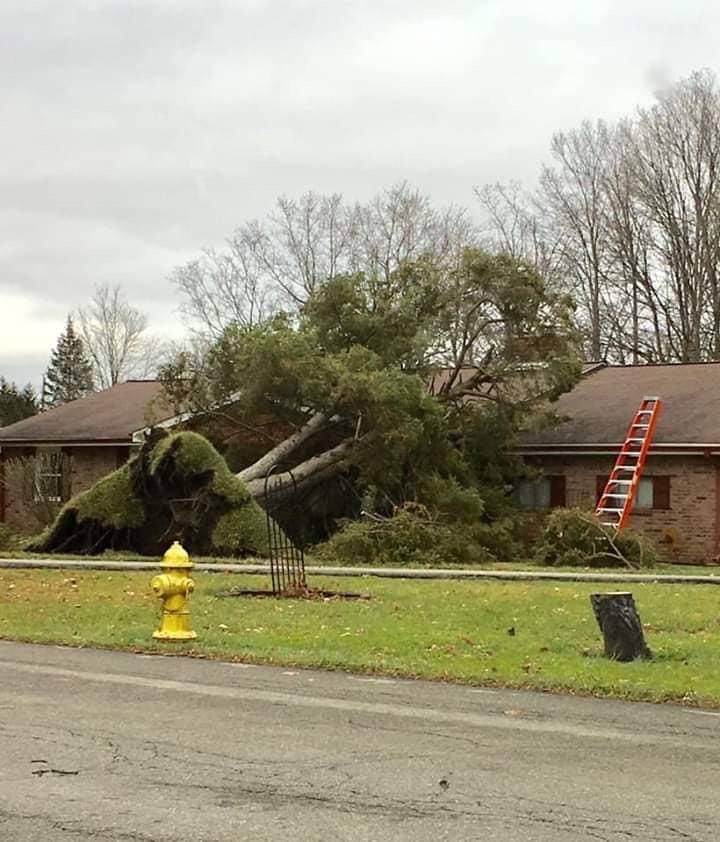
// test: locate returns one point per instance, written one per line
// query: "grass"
(454, 631)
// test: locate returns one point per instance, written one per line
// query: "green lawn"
(456, 631)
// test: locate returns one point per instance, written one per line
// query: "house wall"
(86, 466)
(687, 532)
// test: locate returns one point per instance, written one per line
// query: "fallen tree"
(178, 487)
(383, 392)
(398, 383)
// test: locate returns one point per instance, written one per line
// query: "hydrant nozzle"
(174, 586)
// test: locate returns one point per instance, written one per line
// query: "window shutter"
(600, 482)
(557, 491)
(66, 475)
(661, 492)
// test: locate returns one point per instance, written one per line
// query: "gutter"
(9, 443)
(611, 449)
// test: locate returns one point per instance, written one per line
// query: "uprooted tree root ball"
(178, 487)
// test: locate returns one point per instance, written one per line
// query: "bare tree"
(630, 214)
(573, 195)
(401, 223)
(513, 224)
(113, 332)
(276, 263)
(225, 287)
(676, 158)
(635, 332)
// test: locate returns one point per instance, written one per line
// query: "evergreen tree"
(69, 375)
(16, 404)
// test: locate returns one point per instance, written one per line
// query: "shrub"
(574, 538)
(9, 540)
(411, 537)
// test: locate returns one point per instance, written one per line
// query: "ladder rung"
(635, 447)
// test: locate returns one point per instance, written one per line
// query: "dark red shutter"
(600, 483)
(66, 474)
(557, 491)
(661, 492)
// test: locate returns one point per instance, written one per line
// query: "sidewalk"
(380, 572)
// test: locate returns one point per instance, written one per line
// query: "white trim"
(138, 437)
(699, 450)
(704, 445)
(8, 445)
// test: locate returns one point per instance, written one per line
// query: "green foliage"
(361, 350)
(574, 538)
(194, 455)
(451, 529)
(407, 539)
(244, 526)
(15, 403)
(384, 314)
(111, 501)
(69, 375)
(10, 541)
(501, 310)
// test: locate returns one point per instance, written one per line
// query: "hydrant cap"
(176, 556)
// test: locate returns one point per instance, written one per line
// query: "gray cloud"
(135, 133)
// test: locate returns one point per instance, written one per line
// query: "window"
(543, 493)
(49, 475)
(652, 492)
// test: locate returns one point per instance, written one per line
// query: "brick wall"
(687, 532)
(89, 464)
(86, 464)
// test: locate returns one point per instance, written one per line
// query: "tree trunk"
(621, 627)
(307, 474)
(282, 452)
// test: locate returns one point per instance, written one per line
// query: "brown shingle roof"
(601, 406)
(111, 415)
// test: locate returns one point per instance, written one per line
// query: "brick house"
(678, 502)
(74, 445)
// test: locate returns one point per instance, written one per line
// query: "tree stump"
(620, 624)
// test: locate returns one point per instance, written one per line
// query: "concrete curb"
(379, 572)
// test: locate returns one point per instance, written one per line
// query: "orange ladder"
(616, 501)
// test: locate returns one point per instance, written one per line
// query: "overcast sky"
(134, 134)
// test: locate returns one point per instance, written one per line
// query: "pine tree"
(16, 404)
(69, 375)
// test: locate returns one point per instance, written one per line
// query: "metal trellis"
(287, 559)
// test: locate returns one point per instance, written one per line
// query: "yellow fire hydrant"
(174, 586)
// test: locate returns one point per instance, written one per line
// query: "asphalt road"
(115, 746)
